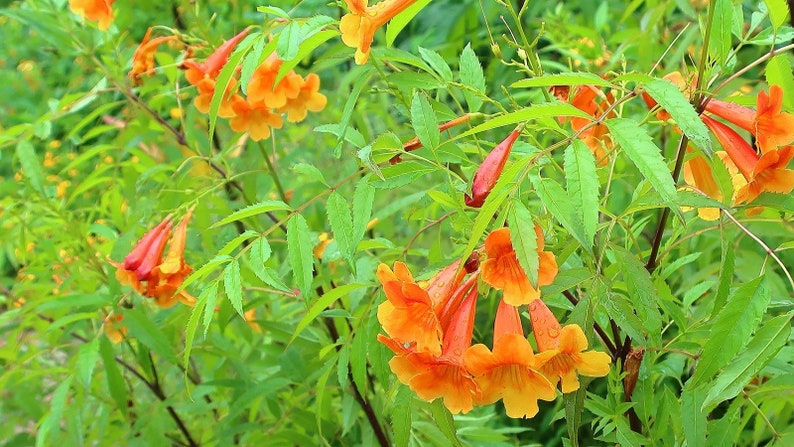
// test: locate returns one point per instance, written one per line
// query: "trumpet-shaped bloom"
(264, 88)
(408, 314)
(211, 67)
(490, 170)
(309, 99)
(169, 275)
(771, 127)
(566, 349)
(143, 258)
(444, 376)
(502, 271)
(359, 26)
(100, 11)
(511, 371)
(206, 90)
(697, 173)
(254, 117)
(143, 58)
(766, 173)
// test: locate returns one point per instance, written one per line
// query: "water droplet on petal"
(538, 333)
(554, 333)
(533, 306)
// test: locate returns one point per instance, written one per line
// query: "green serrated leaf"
(311, 40)
(778, 11)
(444, 422)
(437, 63)
(31, 167)
(693, 417)
(310, 171)
(341, 224)
(224, 78)
(253, 210)
(232, 285)
(720, 37)
(301, 257)
(401, 20)
(363, 200)
(192, 326)
(472, 75)
(276, 11)
(726, 276)
(211, 292)
(321, 304)
(766, 343)
(732, 327)
(642, 292)
(582, 182)
(674, 102)
(362, 79)
(424, 121)
(52, 422)
(117, 387)
(524, 240)
(548, 80)
(525, 114)
(560, 206)
(288, 41)
(644, 153)
(86, 361)
(401, 416)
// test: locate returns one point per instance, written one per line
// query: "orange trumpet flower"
(358, 27)
(511, 371)
(771, 127)
(99, 10)
(566, 349)
(766, 173)
(502, 271)
(143, 59)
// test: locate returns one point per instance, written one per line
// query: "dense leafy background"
(86, 168)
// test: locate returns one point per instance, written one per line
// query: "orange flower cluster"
(430, 330)
(753, 170)
(266, 100)
(591, 100)
(163, 276)
(100, 11)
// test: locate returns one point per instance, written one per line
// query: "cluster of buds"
(153, 276)
(430, 330)
(754, 170)
(267, 98)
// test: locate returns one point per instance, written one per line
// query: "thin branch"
(601, 333)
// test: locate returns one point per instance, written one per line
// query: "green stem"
(272, 170)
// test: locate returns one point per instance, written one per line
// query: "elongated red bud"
(741, 116)
(457, 337)
(489, 171)
(138, 253)
(214, 63)
(743, 155)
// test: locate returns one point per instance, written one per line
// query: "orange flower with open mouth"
(765, 173)
(563, 349)
(443, 376)
(358, 27)
(253, 117)
(511, 371)
(143, 58)
(771, 127)
(502, 271)
(100, 11)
